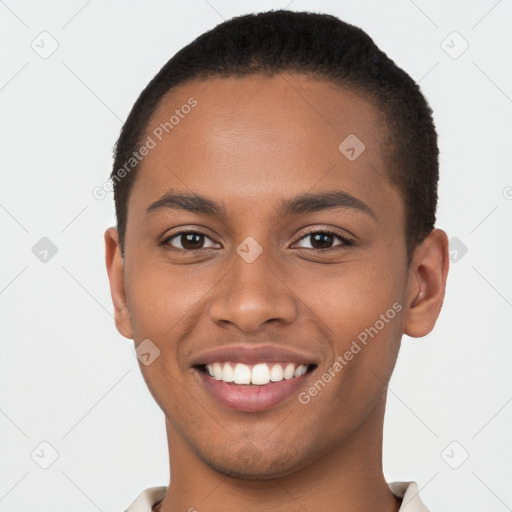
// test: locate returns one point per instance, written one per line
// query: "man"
(276, 189)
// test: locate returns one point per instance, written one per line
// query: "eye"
(323, 239)
(194, 241)
(188, 241)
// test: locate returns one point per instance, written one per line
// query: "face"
(291, 244)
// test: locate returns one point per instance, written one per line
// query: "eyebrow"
(304, 203)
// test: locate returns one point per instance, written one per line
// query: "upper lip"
(252, 355)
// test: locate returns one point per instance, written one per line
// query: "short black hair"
(321, 46)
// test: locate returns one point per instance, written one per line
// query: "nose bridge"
(252, 292)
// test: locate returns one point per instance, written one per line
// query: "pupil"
(187, 241)
(319, 237)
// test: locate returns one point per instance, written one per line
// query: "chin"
(249, 463)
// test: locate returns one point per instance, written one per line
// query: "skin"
(249, 143)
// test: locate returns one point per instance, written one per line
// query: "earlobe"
(426, 284)
(115, 270)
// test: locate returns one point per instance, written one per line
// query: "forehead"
(256, 136)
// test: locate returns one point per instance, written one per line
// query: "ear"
(115, 270)
(426, 284)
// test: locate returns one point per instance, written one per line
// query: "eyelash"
(346, 241)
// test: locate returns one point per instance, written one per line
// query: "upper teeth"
(258, 374)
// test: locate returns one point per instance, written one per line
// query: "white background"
(68, 378)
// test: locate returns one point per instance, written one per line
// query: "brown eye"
(324, 239)
(188, 241)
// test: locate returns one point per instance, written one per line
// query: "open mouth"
(254, 387)
(259, 374)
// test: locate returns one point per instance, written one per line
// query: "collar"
(408, 491)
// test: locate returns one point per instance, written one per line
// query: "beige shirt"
(408, 491)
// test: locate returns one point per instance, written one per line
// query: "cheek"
(352, 298)
(363, 316)
(164, 299)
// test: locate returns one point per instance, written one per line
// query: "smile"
(259, 374)
(252, 378)
(252, 388)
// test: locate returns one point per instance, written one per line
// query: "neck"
(348, 477)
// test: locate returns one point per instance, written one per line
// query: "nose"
(253, 294)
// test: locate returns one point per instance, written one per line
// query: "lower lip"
(251, 398)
